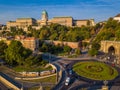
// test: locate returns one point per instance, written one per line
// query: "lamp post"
(105, 87)
(41, 88)
(49, 58)
(22, 88)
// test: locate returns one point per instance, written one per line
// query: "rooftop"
(24, 18)
(118, 15)
(63, 17)
(82, 20)
(24, 38)
(11, 21)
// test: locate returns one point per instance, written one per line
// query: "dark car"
(65, 65)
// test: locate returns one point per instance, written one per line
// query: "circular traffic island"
(95, 70)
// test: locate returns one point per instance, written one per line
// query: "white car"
(67, 81)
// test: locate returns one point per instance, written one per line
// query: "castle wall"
(70, 44)
(67, 21)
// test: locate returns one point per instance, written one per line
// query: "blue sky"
(79, 9)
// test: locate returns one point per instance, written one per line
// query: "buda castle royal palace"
(37, 24)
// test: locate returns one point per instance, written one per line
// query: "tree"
(15, 53)
(44, 47)
(96, 46)
(93, 52)
(78, 51)
(67, 49)
(109, 31)
(84, 44)
(5, 28)
(117, 34)
(3, 47)
(44, 34)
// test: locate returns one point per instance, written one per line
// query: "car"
(113, 65)
(67, 81)
(70, 72)
(65, 65)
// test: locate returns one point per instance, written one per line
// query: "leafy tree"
(109, 31)
(3, 47)
(33, 60)
(44, 34)
(15, 53)
(53, 36)
(96, 46)
(30, 28)
(5, 28)
(93, 52)
(20, 31)
(117, 34)
(97, 26)
(78, 51)
(44, 47)
(84, 44)
(67, 49)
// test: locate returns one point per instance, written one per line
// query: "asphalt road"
(81, 82)
(3, 87)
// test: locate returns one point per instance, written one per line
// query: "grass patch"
(34, 68)
(95, 70)
(51, 79)
(37, 88)
(34, 88)
(72, 56)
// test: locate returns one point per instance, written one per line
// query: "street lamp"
(49, 57)
(41, 88)
(22, 88)
(105, 87)
(105, 82)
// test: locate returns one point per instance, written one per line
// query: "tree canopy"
(110, 31)
(3, 47)
(16, 53)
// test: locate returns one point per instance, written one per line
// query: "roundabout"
(95, 70)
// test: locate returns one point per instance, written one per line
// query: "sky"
(99, 10)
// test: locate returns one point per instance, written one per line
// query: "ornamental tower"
(44, 16)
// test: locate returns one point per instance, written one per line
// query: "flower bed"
(95, 70)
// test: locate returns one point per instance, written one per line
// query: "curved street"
(78, 82)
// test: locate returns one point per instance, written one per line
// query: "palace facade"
(117, 17)
(67, 21)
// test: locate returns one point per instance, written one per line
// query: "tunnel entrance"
(111, 50)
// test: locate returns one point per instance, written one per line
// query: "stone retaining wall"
(8, 83)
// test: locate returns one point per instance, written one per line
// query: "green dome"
(44, 12)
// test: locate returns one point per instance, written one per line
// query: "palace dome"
(44, 12)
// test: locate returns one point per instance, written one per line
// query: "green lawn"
(32, 68)
(37, 88)
(51, 79)
(95, 70)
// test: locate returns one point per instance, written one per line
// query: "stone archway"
(111, 50)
